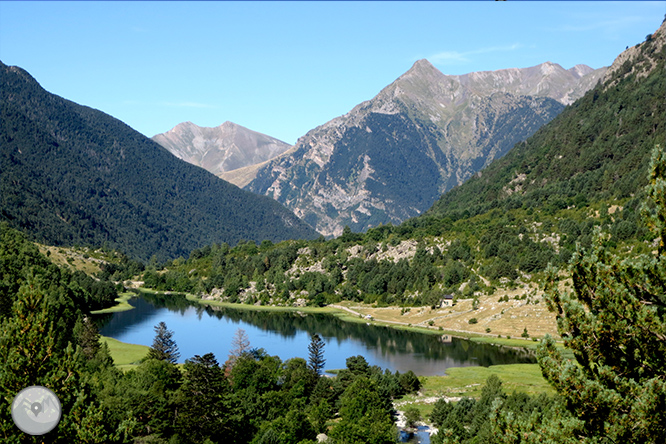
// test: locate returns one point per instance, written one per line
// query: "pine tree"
(203, 411)
(615, 323)
(87, 337)
(164, 347)
(363, 416)
(316, 359)
(29, 356)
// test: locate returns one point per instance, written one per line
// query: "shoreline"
(122, 304)
(345, 314)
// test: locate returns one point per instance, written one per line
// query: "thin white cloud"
(455, 57)
(447, 57)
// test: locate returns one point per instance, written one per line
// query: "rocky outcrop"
(391, 157)
(634, 59)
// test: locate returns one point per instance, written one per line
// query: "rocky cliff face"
(636, 59)
(221, 149)
(391, 157)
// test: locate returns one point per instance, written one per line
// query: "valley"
(451, 240)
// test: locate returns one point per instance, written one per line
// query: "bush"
(473, 321)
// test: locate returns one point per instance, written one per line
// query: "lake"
(200, 329)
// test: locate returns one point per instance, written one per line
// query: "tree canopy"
(615, 323)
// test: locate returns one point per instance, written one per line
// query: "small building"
(447, 301)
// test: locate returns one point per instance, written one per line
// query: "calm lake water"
(200, 329)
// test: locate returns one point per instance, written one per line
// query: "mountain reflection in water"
(200, 329)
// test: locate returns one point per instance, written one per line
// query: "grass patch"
(122, 304)
(468, 381)
(125, 356)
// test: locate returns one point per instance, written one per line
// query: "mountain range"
(597, 149)
(502, 229)
(222, 149)
(390, 158)
(71, 174)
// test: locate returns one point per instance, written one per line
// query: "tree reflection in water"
(390, 348)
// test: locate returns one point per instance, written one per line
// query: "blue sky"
(283, 68)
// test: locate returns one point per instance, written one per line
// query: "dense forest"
(252, 397)
(609, 394)
(74, 175)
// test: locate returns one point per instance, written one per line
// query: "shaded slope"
(71, 174)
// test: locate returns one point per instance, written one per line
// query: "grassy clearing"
(122, 304)
(468, 381)
(125, 356)
(386, 316)
(71, 258)
(492, 316)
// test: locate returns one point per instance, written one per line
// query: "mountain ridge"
(606, 153)
(220, 149)
(75, 175)
(444, 128)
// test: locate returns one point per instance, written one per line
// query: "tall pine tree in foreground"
(615, 323)
(29, 356)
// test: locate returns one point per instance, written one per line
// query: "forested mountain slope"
(597, 149)
(74, 175)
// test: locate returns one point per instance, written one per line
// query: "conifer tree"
(203, 412)
(615, 323)
(316, 354)
(240, 345)
(29, 356)
(363, 416)
(164, 347)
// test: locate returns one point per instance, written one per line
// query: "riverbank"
(458, 381)
(122, 304)
(415, 319)
(354, 312)
(468, 381)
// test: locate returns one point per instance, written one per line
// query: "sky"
(283, 68)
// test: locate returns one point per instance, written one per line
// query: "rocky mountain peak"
(549, 68)
(220, 149)
(420, 67)
(580, 70)
(390, 157)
